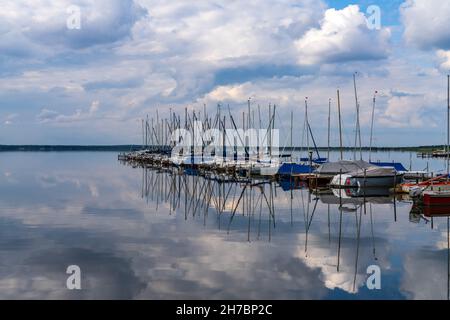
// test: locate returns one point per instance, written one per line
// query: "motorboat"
(372, 177)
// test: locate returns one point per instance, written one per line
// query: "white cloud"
(343, 36)
(444, 59)
(9, 118)
(44, 22)
(407, 112)
(47, 115)
(224, 31)
(426, 23)
(192, 53)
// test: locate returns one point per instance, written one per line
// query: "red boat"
(441, 195)
(436, 211)
(436, 198)
(438, 183)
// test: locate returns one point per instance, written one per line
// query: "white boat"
(270, 170)
(368, 178)
(190, 160)
(265, 166)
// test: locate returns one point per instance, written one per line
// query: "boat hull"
(378, 182)
(349, 181)
(269, 170)
(436, 199)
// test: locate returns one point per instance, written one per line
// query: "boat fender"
(415, 191)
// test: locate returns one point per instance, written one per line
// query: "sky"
(64, 82)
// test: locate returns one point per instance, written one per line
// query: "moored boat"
(288, 169)
(325, 172)
(436, 198)
(368, 178)
(439, 183)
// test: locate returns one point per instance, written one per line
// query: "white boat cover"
(342, 166)
(374, 172)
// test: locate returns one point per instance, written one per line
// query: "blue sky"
(129, 58)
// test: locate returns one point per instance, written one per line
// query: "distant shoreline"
(132, 147)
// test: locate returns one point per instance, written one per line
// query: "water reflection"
(140, 233)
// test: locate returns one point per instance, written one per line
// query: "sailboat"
(309, 134)
(290, 169)
(373, 175)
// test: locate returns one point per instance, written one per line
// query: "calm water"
(143, 234)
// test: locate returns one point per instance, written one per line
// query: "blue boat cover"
(293, 168)
(396, 165)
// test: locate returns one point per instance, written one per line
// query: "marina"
(224, 156)
(254, 156)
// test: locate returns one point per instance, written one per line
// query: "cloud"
(47, 115)
(426, 27)
(426, 23)
(407, 111)
(45, 23)
(444, 59)
(432, 286)
(136, 56)
(343, 36)
(9, 118)
(227, 32)
(121, 84)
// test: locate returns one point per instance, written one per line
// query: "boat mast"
(143, 134)
(340, 125)
(448, 126)
(249, 114)
(292, 124)
(269, 150)
(259, 129)
(357, 128)
(307, 125)
(248, 128)
(329, 128)
(371, 126)
(271, 132)
(146, 133)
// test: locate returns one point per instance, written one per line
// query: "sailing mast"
(259, 129)
(307, 125)
(371, 126)
(329, 128)
(448, 126)
(357, 128)
(292, 124)
(143, 134)
(340, 124)
(271, 133)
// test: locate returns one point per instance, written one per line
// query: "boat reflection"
(262, 210)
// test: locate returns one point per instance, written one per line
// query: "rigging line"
(314, 141)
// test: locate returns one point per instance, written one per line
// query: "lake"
(140, 233)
